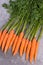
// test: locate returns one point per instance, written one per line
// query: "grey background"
(8, 59)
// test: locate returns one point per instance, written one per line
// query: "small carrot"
(22, 46)
(18, 43)
(9, 40)
(32, 49)
(14, 44)
(4, 41)
(12, 40)
(28, 50)
(25, 47)
(2, 37)
(36, 50)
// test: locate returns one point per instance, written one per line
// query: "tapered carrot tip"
(8, 41)
(4, 41)
(2, 37)
(18, 43)
(14, 45)
(36, 51)
(26, 43)
(22, 46)
(32, 50)
(28, 50)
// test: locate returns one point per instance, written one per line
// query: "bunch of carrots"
(20, 33)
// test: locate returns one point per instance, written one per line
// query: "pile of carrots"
(20, 33)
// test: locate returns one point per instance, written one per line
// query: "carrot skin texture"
(36, 51)
(14, 45)
(32, 49)
(8, 41)
(4, 41)
(25, 47)
(2, 37)
(28, 50)
(22, 46)
(18, 43)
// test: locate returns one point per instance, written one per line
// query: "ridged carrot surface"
(36, 51)
(32, 49)
(22, 46)
(9, 40)
(18, 43)
(14, 44)
(4, 41)
(28, 50)
(2, 37)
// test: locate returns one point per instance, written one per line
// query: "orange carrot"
(15, 42)
(0, 33)
(18, 43)
(22, 46)
(36, 50)
(12, 40)
(26, 43)
(9, 40)
(2, 37)
(32, 49)
(4, 41)
(28, 50)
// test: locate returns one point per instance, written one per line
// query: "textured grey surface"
(8, 59)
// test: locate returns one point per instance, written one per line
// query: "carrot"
(4, 41)
(28, 50)
(18, 43)
(32, 49)
(13, 47)
(12, 40)
(9, 40)
(2, 37)
(26, 43)
(36, 50)
(22, 46)
(0, 33)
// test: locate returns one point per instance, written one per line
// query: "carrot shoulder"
(22, 46)
(32, 49)
(28, 50)
(18, 42)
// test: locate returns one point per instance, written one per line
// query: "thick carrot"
(28, 50)
(36, 51)
(25, 47)
(12, 40)
(2, 37)
(15, 42)
(4, 41)
(18, 43)
(9, 40)
(22, 46)
(32, 49)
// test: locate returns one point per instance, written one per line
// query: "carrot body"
(2, 37)
(28, 50)
(26, 43)
(22, 46)
(18, 42)
(0, 33)
(32, 49)
(4, 41)
(9, 40)
(14, 45)
(36, 51)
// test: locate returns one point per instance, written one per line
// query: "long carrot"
(22, 46)
(8, 41)
(2, 37)
(4, 42)
(28, 50)
(26, 43)
(14, 44)
(18, 43)
(32, 49)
